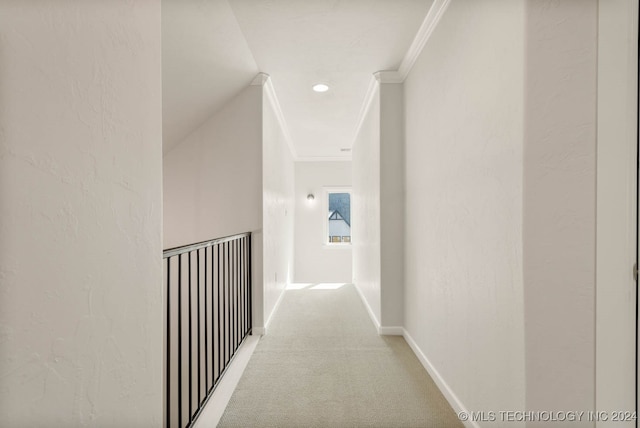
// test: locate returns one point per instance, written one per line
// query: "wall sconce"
(310, 197)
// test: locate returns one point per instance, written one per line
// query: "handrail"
(170, 252)
(208, 317)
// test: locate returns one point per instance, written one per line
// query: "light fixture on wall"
(310, 197)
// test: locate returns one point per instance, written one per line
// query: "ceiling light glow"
(320, 87)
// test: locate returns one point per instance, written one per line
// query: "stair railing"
(208, 316)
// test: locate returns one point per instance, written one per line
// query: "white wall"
(392, 200)
(217, 183)
(366, 208)
(616, 217)
(315, 261)
(213, 179)
(213, 183)
(279, 207)
(560, 203)
(464, 133)
(80, 214)
(378, 159)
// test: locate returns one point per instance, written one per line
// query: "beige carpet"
(322, 364)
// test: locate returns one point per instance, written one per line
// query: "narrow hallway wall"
(213, 179)
(379, 198)
(464, 143)
(392, 201)
(213, 182)
(314, 260)
(279, 207)
(366, 207)
(235, 174)
(81, 315)
(616, 216)
(560, 204)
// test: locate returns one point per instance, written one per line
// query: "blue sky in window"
(341, 202)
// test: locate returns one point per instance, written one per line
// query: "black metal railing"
(208, 316)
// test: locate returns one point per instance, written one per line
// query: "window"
(338, 227)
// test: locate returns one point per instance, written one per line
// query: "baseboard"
(448, 393)
(372, 315)
(258, 331)
(216, 404)
(391, 331)
(275, 309)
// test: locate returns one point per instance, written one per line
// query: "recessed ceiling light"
(320, 87)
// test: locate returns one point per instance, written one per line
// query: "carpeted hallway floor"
(322, 364)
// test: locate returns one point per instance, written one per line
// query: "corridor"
(489, 149)
(322, 364)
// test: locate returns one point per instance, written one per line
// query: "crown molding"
(388, 77)
(264, 80)
(436, 11)
(260, 80)
(374, 84)
(429, 24)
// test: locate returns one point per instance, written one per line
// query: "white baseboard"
(258, 331)
(372, 315)
(391, 331)
(448, 393)
(275, 309)
(217, 403)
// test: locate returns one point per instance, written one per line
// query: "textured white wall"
(378, 155)
(315, 261)
(616, 217)
(560, 203)
(366, 208)
(278, 203)
(80, 214)
(392, 205)
(213, 179)
(213, 182)
(464, 143)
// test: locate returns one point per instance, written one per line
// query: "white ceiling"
(213, 48)
(205, 63)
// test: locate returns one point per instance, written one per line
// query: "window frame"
(326, 191)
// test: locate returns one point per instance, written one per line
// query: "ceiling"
(212, 49)
(205, 63)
